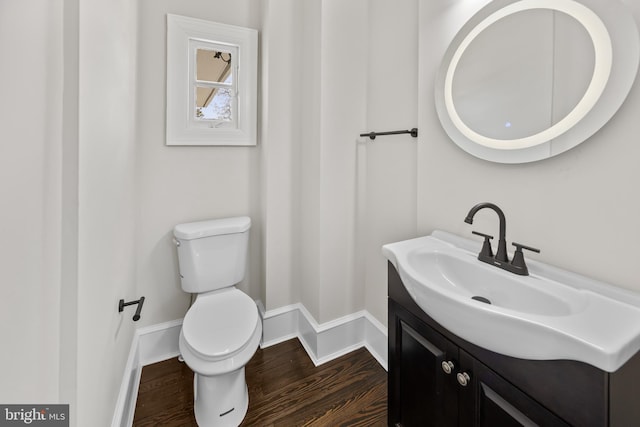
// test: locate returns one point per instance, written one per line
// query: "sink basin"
(550, 314)
(460, 273)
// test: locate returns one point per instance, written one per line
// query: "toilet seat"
(220, 324)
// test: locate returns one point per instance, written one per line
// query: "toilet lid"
(221, 323)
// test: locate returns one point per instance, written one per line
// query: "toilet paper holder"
(122, 305)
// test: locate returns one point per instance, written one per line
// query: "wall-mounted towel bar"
(372, 135)
(122, 305)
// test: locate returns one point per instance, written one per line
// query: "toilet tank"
(212, 254)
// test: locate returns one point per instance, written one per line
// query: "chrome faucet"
(501, 258)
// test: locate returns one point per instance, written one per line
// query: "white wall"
(184, 184)
(580, 208)
(280, 125)
(314, 86)
(307, 206)
(30, 195)
(332, 70)
(321, 204)
(67, 156)
(93, 181)
(69, 197)
(343, 50)
(299, 184)
(398, 187)
(389, 213)
(107, 203)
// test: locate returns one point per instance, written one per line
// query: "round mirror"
(525, 80)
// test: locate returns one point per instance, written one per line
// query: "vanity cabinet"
(437, 383)
(439, 379)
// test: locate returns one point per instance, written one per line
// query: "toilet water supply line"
(122, 305)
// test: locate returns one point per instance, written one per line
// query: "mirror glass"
(503, 86)
(521, 77)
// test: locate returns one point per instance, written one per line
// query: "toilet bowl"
(222, 329)
(219, 335)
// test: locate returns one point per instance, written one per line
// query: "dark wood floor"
(285, 389)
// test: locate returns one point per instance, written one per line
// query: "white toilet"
(222, 329)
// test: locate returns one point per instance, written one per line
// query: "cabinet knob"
(447, 366)
(463, 378)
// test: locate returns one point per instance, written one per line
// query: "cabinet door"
(420, 392)
(489, 401)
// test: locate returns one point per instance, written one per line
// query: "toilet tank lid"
(213, 227)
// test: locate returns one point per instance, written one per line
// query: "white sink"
(460, 274)
(550, 314)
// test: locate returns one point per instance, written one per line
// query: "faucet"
(501, 255)
(501, 258)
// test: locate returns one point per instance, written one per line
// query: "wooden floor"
(285, 389)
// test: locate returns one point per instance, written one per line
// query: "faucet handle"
(518, 257)
(520, 246)
(486, 246)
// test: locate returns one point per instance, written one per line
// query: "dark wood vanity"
(439, 379)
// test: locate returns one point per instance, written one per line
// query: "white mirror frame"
(181, 129)
(617, 52)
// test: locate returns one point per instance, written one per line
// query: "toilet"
(222, 329)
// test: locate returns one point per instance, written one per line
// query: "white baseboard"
(149, 345)
(322, 342)
(327, 341)
(126, 403)
(159, 342)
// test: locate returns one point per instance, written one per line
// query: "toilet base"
(220, 400)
